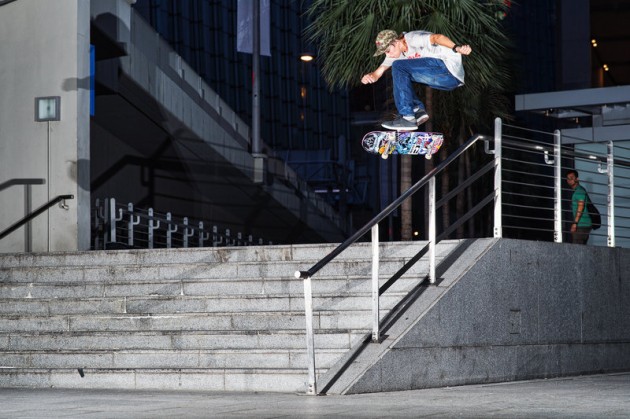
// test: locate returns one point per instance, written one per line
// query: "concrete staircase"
(228, 319)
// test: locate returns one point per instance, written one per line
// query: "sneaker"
(401, 124)
(421, 116)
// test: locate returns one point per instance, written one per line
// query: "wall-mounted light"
(594, 42)
(605, 67)
(48, 108)
(307, 57)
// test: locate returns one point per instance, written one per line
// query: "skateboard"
(385, 143)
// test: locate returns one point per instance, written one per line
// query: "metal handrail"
(389, 209)
(373, 225)
(34, 214)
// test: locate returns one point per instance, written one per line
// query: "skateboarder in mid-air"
(421, 57)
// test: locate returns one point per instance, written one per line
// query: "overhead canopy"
(608, 108)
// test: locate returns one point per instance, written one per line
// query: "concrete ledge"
(524, 310)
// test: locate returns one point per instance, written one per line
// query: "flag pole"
(259, 157)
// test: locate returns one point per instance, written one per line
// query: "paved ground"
(595, 396)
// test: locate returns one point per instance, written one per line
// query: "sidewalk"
(593, 396)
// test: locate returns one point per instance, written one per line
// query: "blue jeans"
(429, 71)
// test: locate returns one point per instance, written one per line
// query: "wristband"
(454, 48)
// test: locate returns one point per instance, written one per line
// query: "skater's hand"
(369, 78)
(374, 75)
(464, 49)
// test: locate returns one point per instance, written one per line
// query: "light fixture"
(594, 42)
(48, 108)
(307, 57)
(605, 67)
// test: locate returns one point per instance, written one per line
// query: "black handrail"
(389, 209)
(34, 214)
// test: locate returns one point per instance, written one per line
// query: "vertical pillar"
(498, 201)
(557, 202)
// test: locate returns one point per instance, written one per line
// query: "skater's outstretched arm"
(374, 75)
(445, 41)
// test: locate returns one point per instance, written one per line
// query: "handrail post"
(375, 286)
(112, 220)
(133, 221)
(432, 230)
(557, 205)
(498, 200)
(310, 341)
(610, 162)
(28, 236)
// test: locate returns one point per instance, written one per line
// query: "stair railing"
(430, 179)
(123, 225)
(28, 199)
(59, 199)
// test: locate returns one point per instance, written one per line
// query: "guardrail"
(530, 202)
(59, 199)
(536, 198)
(124, 226)
(430, 180)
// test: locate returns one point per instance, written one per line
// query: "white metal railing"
(529, 202)
(536, 198)
(433, 238)
(123, 225)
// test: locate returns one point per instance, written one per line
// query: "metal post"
(375, 286)
(257, 152)
(256, 148)
(170, 230)
(432, 230)
(186, 233)
(310, 341)
(202, 236)
(133, 221)
(498, 202)
(153, 225)
(112, 220)
(610, 162)
(28, 236)
(557, 204)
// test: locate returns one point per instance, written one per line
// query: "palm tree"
(344, 32)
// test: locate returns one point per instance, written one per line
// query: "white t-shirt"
(419, 46)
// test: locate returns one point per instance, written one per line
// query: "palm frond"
(345, 30)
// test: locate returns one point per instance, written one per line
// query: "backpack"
(596, 217)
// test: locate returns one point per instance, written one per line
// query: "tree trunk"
(460, 208)
(406, 216)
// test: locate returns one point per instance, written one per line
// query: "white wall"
(45, 52)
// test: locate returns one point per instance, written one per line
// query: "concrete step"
(229, 319)
(186, 304)
(303, 254)
(168, 358)
(252, 321)
(89, 341)
(194, 287)
(206, 379)
(241, 270)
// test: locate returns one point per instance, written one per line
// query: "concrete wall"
(45, 52)
(524, 310)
